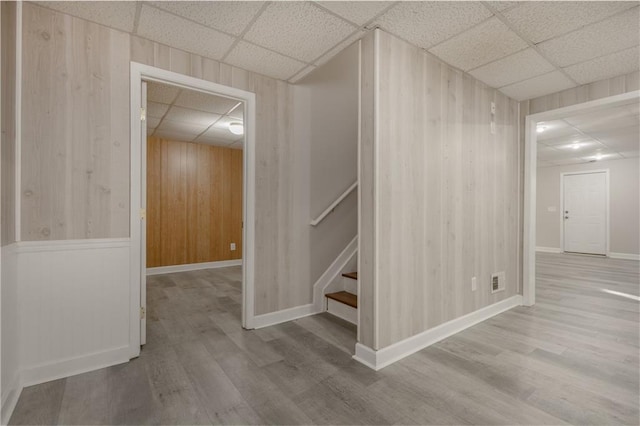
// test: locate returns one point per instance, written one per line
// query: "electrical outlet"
(233, 246)
(474, 284)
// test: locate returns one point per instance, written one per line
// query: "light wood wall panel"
(445, 196)
(75, 128)
(8, 142)
(63, 53)
(194, 203)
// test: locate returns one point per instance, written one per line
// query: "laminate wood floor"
(572, 358)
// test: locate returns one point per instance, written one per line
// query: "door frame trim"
(141, 72)
(530, 162)
(607, 215)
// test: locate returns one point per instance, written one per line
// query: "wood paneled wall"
(8, 141)
(76, 145)
(194, 203)
(75, 128)
(445, 193)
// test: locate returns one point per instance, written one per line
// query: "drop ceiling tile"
(625, 138)
(228, 16)
(339, 48)
(189, 130)
(540, 21)
(237, 113)
(173, 136)
(161, 93)
(118, 15)
(205, 102)
(538, 86)
(156, 110)
(553, 129)
(212, 141)
(223, 125)
(298, 29)
(605, 155)
(218, 134)
(513, 68)
(254, 58)
(426, 24)
(480, 45)
(191, 116)
(358, 12)
(504, 5)
(630, 154)
(611, 35)
(619, 63)
(183, 34)
(152, 122)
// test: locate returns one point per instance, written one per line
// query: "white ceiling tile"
(228, 16)
(542, 20)
(191, 116)
(358, 12)
(623, 139)
(630, 154)
(606, 120)
(339, 48)
(603, 153)
(183, 34)
(254, 58)
(161, 93)
(213, 142)
(218, 134)
(611, 35)
(483, 43)
(223, 125)
(426, 24)
(189, 130)
(173, 135)
(513, 68)
(298, 29)
(156, 110)
(504, 5)
(152, 122)
(118, 15)
(237, 113)
(538, 86)
(205, 102)
(619, 63)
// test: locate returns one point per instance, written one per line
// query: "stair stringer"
(331, 279)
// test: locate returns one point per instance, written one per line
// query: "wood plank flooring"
(572, 358)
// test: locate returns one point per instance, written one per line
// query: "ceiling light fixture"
(575, 145)
(541, 128)
(598, 156)
(236, 128)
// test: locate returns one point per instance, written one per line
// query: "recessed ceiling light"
(598, 156)
(541, 128)
(575, 145)
(236, 128)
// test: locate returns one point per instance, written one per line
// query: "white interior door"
(143, 215)
(585, 213)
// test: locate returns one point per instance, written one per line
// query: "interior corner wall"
(194, 202)
(624, 204)
(10, 337)
(445, 192)
(326, 120)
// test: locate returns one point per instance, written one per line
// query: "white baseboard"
(333, 271)
(273, 318)
(10, 399)
(386, 356)
(626, 256)
(72, 366)
(549, 249)
(193, 267)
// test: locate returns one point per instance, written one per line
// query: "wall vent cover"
(497, 282)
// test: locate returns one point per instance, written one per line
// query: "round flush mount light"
(236, 128)
(541, 128)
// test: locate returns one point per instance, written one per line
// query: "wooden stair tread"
(344, 297)
(352, 275)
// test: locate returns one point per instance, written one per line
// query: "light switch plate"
(233, 246)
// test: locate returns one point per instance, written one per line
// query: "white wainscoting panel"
(74, 306)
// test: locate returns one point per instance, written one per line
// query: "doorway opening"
(570, 157)
(192, 183)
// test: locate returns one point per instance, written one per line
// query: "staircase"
(344, 304)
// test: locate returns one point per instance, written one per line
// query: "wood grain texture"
(447, 192)
(194, 202)
(8, 141)
(570, 359)
(75, 133)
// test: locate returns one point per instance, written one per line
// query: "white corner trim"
(273, 318)
(386, 356)
(72, 366)
(10, 399)
(193, 267)
(332, 272)
(625, 256)
(548, 249)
